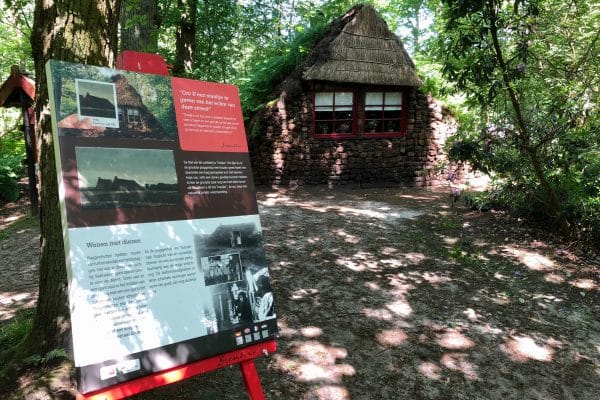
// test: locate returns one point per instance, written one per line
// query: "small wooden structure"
(19, 91)
(352, 113)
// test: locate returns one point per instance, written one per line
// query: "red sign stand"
(244, 357)
(155, 64)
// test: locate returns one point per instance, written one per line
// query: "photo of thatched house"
(98, 117)
(352, 113)
(95, 106)
(133, 114)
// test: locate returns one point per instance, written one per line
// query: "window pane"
(343, 127)
(323, 115)
(374, 98)
(374, 108)
(324, 99)
(373, 114)
(373, 125)
(393, 98)
(392, 126)
(343, 98)
(392, 114)
(323, 128)
(343, 114)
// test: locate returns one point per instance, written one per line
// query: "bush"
(12, 169)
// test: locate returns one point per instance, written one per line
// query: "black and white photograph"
(234, 267)
(98, 101)
(221, 268)
(124, 177)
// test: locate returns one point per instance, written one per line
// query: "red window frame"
(383, 120)
(334, 120)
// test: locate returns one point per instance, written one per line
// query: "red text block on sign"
(209, 116)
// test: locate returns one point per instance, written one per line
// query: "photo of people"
(221, 269)
(232, 262)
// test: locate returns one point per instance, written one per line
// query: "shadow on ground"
(389, 294)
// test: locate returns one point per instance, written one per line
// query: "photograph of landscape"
(124, 177)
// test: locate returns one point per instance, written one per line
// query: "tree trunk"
(185, 41)
(81, 31)
(139, 25)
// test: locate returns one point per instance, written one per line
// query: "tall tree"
(139, 21)
(533, 66)
(185, 37)
(81, 31)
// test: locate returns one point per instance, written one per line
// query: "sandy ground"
(394, 294)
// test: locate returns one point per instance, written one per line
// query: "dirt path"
(393, 294)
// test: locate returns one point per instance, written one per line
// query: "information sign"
(162, 236)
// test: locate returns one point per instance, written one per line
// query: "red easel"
(244, 357)
(155, 64)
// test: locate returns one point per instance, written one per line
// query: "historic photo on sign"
(97, 101)
(122, 177)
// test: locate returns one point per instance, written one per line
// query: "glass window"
(133, 115)
(383, 112)
(333, 113)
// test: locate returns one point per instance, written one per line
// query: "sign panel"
(162, 235)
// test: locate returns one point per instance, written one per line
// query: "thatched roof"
(126, 94)
(363, 51)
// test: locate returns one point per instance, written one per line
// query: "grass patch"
(24, 223)
(16, 329)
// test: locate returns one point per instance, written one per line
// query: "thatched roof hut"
(352, 113)
(360, 48)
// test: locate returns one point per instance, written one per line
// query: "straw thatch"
(126, 93)
(364, 51)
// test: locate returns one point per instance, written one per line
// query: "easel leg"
(253, 386)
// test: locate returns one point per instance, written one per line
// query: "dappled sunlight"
(374, 286)
(471, 315)
(319, 354)
(587, 284)
(303, 293)
(311, 331)
(391, 337)
(331, 392)
(358, 208)
(415, 258)
(399, 282)
(346, 237)
(319, 364)
(431, 304)
(284, 329)
(434, 279)
(554, 278)
(450, 240)
(11, 302)
(488, 329)
(532, 260)
(401, 308)
(430, 370)
(280, 265)
(378, 314)
(459, 362)
(392, 263)
(388, 251)
(453, 339)
(523, 349)
(359, 262)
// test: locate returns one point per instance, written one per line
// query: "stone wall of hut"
(283, 151)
